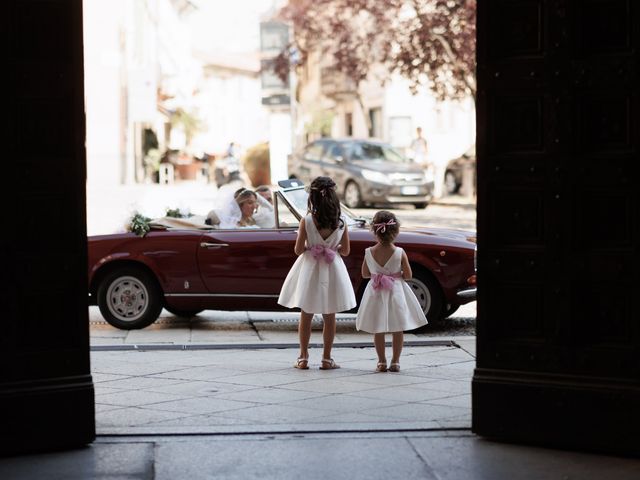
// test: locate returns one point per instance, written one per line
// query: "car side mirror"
(339, 158)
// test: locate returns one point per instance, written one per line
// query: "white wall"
(230, 105)
(279, 144)
(102, 64)
(131, 47)
(449, 127)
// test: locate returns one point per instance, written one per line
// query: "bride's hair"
(243, 194)
(323, 203)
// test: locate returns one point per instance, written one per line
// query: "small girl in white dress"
(318, 281)
(388, 304)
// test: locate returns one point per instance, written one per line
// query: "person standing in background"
(231, 150)
(433, 170)
(419, 148)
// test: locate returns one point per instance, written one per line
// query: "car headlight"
(376, 177)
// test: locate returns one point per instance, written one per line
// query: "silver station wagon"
(366, 172)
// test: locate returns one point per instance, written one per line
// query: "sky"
(229, 25)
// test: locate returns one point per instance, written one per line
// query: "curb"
(256, 346)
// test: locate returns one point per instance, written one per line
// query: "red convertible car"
(193, 267)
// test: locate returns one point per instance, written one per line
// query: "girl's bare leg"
(304, 333)
(379, 342)
(398, 339)
(328, 334)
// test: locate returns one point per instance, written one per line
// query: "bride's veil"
(264, 217)
(226, 207)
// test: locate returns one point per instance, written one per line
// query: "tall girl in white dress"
(318, 281)
(388, 304)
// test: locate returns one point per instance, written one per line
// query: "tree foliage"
(429, 42)
(188, 121)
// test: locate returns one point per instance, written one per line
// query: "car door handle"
(213, 245)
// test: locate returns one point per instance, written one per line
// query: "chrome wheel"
(422, 293)
(127, 299)
(429, 294)
(352, 196)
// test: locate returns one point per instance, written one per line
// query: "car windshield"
(297, 198)
(374, 152)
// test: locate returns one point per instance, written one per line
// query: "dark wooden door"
(46, 391)
(558, 215)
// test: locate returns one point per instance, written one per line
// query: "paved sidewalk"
(213, 327)
(257, 390)
(178, 409)
(350, 456)
(232, 372)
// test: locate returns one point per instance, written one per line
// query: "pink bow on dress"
(382, 281)
(321, 252)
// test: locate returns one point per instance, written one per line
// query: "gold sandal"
(381, 367)
(302, 363)
(394, 367)
(328, 364)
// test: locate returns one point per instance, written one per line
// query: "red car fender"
(433, 264)
(112, 258)
(450, 277)
(430, 263)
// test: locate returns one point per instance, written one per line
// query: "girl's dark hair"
(385, 226)
(323, 203)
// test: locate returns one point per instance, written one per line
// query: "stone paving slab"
(350, 456)
(215, 327)
(257, 390)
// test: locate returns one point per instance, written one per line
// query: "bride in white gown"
(241, 208)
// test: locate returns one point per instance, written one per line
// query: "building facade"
(331, 105)
(229, 102)
(138, 68)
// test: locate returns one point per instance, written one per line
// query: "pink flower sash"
(383, 281)
(320, 252)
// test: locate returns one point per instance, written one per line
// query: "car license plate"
(409, 190)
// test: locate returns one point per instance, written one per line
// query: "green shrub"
(139, 224)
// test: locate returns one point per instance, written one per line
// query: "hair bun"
(324, 182)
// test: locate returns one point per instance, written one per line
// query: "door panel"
(246, 261)
(46, 389)
(558, 145)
